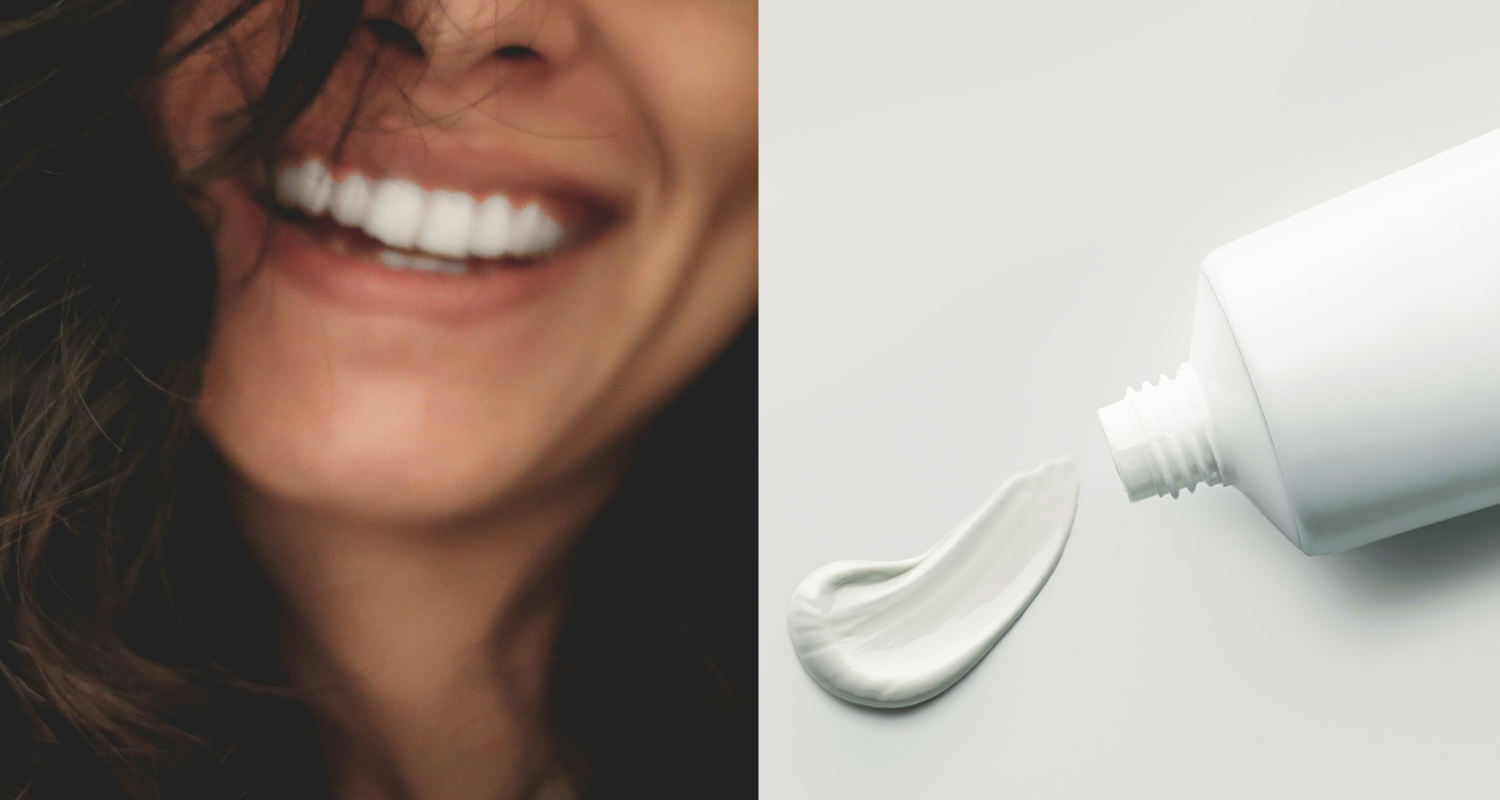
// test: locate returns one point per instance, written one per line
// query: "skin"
(413, 481)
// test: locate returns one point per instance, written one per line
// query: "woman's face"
(541, 224)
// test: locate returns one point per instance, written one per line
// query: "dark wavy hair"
(137, 636)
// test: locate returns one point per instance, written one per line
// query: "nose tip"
(454, 36)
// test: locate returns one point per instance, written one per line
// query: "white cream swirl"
(891, 634)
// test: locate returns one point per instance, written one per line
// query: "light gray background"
(982, 220)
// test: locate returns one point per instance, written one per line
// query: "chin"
(386, 469)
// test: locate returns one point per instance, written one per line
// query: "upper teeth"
(404, 215)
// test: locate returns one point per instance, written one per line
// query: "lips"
(442, 227)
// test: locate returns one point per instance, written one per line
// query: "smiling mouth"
(400, 225)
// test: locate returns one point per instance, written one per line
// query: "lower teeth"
(400, 260)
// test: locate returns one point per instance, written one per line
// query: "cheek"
(197, 101)
(694, 64)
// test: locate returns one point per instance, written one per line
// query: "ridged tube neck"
(1159, 437)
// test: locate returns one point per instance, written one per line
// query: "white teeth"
(289, 187)
(551, 234)
(351, 201)
(392, 258)
(491, 232)
(533, 232)
(307, 187)
(318, 187)
(448, 224)
(524, 229)
(395, 214)
(445, 228)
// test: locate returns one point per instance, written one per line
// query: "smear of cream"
(894, 633)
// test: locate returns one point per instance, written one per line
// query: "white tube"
(1344, 372)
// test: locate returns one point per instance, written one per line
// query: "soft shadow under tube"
(894, 633)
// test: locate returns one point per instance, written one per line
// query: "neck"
(425, 650)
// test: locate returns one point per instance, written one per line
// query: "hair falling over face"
(142, 634)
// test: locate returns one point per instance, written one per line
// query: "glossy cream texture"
(895, 633)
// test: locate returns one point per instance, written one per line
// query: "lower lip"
(351, 282)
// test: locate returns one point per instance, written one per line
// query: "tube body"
(1345, 362)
